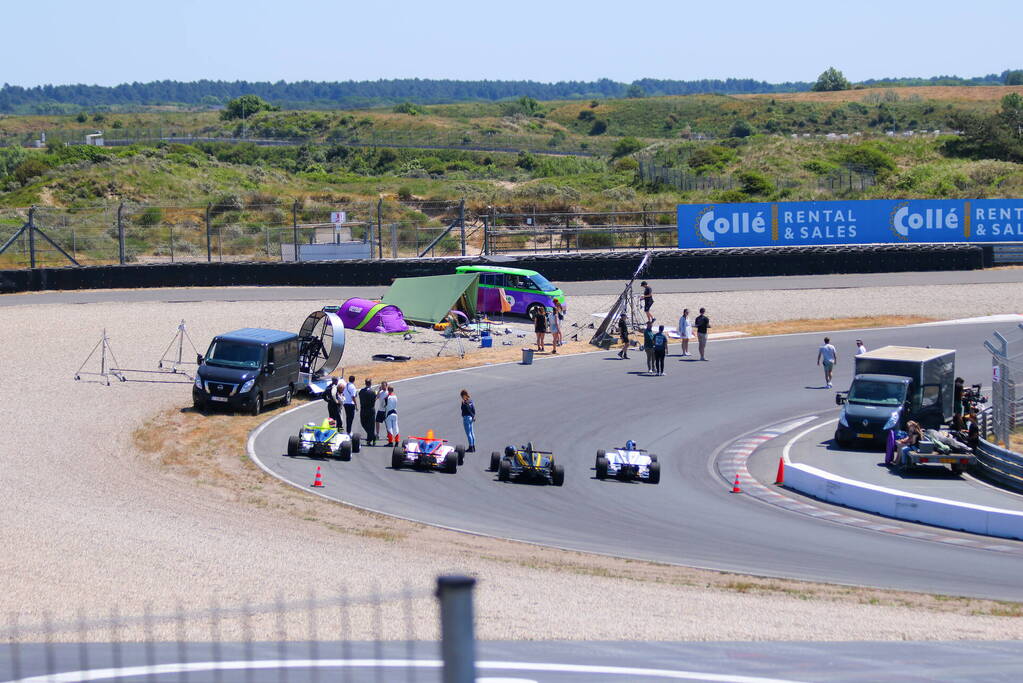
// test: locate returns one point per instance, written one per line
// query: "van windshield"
(543, 283)
(877, 393)
(234, 354)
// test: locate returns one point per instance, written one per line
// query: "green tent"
(427, 300)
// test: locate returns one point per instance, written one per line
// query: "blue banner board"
(872, 221)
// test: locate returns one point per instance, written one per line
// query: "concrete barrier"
(949, 514)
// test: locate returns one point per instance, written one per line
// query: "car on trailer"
(628, 463)
(427, 452)
(323, 440)
(527, 463)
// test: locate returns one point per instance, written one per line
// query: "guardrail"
(1001, 465)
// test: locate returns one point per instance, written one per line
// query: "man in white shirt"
(348, 403)
(828, 356)
(391, 418)
(860, 348)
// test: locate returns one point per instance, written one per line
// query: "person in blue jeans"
(660, 349)
(468, 420)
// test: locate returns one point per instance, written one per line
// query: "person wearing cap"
(648, 301)
(860, 348)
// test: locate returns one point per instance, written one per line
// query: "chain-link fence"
(1006, 414)
(378, 636)
(838, 181)
(580, 231)
(255, 227)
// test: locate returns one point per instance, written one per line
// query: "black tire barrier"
(673, 264)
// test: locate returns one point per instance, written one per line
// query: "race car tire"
(600, 454)
(257, 404)
(404, 442)
(558, 475)
(460, 452)
(495, 461)
(655, 473)
(294, 444)
(397, 457)
(504, 471)
(288, 395)
(602, 464)
(356, 443)
(344, 452)
(450, 463)
(509, 451)
(653, 458)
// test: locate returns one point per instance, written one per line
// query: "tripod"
(105, 370)
(179, 338)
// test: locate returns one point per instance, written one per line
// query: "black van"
(247, 368)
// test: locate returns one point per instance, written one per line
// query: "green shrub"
(405, 193)
(595, 239)
(868, 155)
(599, 127)
(626, 165)
(150, 217)
(625, 147)
(29, 169)
(818, 167)
(408, 108)
(740, 129)
(754, 183)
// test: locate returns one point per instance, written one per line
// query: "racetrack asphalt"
(596, 287)
(577, 404)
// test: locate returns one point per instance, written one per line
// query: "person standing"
(648, 301)
(391, 417)
(381, 406)
(660, 349)
(623, 332)
(348, 403)
(540, 326)
(554, 325)
(367, 411)
(333, 398)
(860, 348)
(702, 324)
(648, 346)
(469, 420)
(827, 355)
(685, 330)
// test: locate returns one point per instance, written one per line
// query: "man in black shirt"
(702, 324)
(367, 411)
(648, 301)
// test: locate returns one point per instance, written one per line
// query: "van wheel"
(534, 310)
(289, 394)
(257, 404)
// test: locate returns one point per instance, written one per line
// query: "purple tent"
(371, 316)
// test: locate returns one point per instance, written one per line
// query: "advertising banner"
(873, 221)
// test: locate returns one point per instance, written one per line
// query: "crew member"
(333, 398)
(367, 410)
(348, 401)
(660, 349)
(391, 417)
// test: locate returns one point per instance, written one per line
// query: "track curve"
(576, 404)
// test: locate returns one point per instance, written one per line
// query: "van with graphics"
(525, 291)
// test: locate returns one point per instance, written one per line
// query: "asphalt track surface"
(576, 404)
(597, 287)
(524, 661)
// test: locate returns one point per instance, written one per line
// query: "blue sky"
(107, 42)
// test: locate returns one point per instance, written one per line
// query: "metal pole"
(486, 235)
(458, 641)
(32, 237)
(170, 240)
(461, 222)
(294, 225)
(120, 233)
(380, 228)
(394, 240)
(209, 235)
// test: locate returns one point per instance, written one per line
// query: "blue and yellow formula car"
(526, 463)
(323, 440)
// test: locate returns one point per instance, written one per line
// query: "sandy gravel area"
(89, 523)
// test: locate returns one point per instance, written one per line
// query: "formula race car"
(628, 463)
(527, 464)
(427, 452)
(323, 440)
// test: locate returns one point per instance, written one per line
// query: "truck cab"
(892, 385)
(246, 369)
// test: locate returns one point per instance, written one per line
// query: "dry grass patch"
(827, 324)
(945, 93)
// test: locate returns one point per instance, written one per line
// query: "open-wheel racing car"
(427, 452)
(628, 463)
(527, 464)
(323, 440)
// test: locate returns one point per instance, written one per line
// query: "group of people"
(548, 320)
(378, 410)
(827, 355)
(655, 342)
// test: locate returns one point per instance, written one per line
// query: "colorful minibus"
(524, 290)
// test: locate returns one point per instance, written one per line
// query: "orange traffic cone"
(735, 486)
(780, 478)
(318, 482)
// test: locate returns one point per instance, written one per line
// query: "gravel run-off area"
(87, 523)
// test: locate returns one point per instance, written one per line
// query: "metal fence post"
(209, 234)
(32, 237)
(120, 233)
(486, 236)
(458, 640)
(380, 228)
(394, 240)
(294, 225)
(461, 221)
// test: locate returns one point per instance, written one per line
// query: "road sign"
(338, 217)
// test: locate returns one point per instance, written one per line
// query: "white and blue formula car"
(323, 440)
(628, 463)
